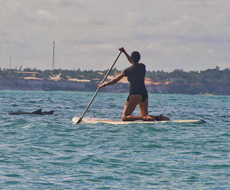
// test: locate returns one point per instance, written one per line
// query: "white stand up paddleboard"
(118, 122)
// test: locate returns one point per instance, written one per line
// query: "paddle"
(99, 89)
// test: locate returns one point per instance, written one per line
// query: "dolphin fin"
(37, 112)
(48, 112)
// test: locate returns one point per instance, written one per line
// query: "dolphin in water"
(37, 112)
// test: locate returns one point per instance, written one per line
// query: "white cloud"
(133, 19)
(12, 5)
(45, 14)
(95, 47)
(155, 47)
(211, 51)
(65, 2)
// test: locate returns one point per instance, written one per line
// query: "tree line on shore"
(215, 75)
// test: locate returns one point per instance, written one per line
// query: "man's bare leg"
(129, 108)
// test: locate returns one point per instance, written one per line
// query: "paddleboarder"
(138, 94)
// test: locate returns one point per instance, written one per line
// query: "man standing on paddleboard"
(138, 94)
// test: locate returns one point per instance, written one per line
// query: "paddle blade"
(77, 120)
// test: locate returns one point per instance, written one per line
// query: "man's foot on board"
(148, 118)
(163, 118)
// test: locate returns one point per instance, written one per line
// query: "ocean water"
(49, 152)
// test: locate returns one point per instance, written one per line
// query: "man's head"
(135, 56)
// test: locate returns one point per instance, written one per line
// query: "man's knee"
(124, 118)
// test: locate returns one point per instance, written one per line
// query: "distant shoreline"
(34, 84)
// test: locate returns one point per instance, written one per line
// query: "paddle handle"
(110, 68)
(98, 88)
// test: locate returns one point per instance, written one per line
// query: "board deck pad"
(119, 122)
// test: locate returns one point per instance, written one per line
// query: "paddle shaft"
(98, 88)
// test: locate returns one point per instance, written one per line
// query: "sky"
(192, 35)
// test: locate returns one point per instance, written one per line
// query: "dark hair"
(135, 56)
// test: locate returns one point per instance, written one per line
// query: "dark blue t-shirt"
(136, 78)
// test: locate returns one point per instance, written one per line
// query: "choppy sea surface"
(49, 152)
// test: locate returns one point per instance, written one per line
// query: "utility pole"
(10, 62)
(53, 55)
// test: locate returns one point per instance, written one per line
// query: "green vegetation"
(216, 76)
(208, 76)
